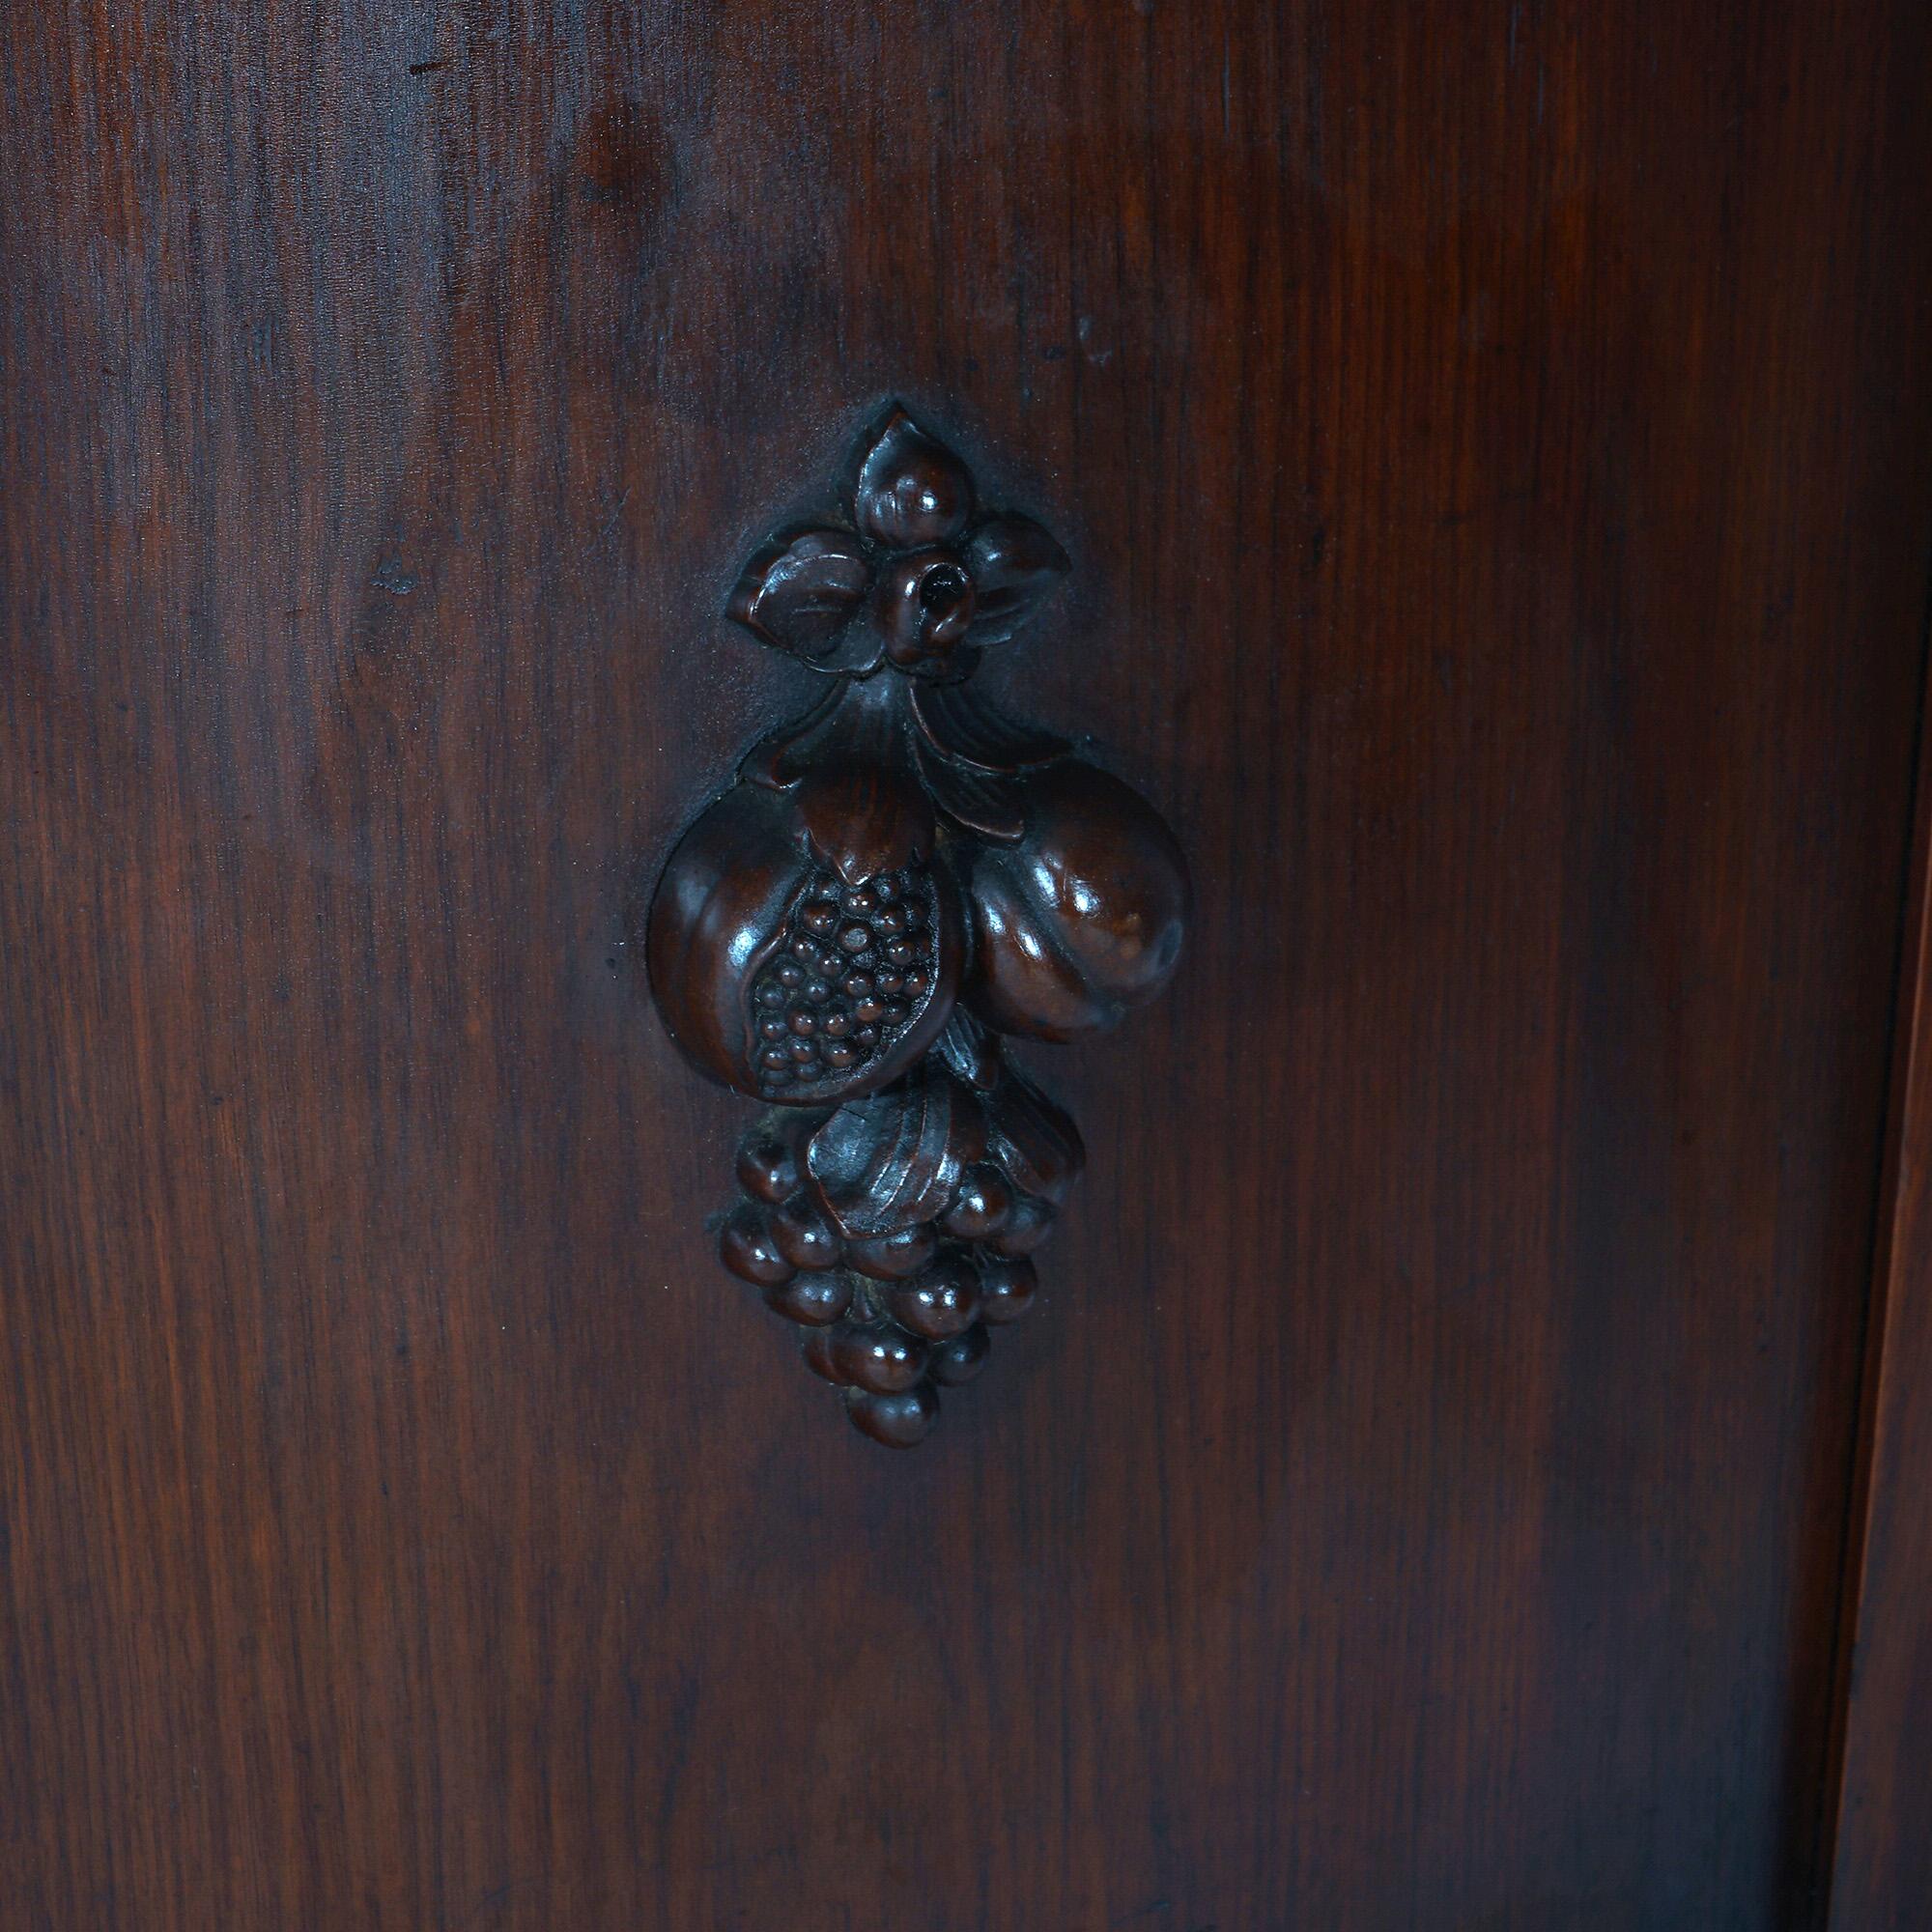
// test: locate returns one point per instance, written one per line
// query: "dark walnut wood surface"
(1492, 443)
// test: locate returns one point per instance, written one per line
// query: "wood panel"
(1492, 443)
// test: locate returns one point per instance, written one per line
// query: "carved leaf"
(891, 1160)
(1014, 563)
(910, 489)
(777, 759)
(799, 592)
(1033, 1140)
(975, 801)
(956, 720)
(970, 1051)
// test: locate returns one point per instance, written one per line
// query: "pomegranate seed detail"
(851, 971)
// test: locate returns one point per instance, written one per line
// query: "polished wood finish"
(1492, 448)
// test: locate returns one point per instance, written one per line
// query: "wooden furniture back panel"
(1493, 442)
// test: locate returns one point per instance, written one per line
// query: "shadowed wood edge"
(1875, 1822)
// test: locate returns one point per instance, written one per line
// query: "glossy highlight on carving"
(896, 880)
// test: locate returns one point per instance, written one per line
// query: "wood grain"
(1492, 446)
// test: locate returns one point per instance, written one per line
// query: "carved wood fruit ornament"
(896, 879)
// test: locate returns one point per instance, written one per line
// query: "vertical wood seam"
(1908, 1040)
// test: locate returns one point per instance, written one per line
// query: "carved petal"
(891, 1160)
(910, 490)
(800, 590)
(1014, 563)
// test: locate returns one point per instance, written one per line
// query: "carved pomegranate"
(896, 880)
(801, 943)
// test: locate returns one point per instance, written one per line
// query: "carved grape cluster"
(894, 1317)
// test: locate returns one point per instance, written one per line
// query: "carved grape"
(898, 1421)
(941, 1301)
(1008, 1283)
(812, 1299)
(955, 1363)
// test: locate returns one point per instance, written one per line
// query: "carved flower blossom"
(913, 580)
